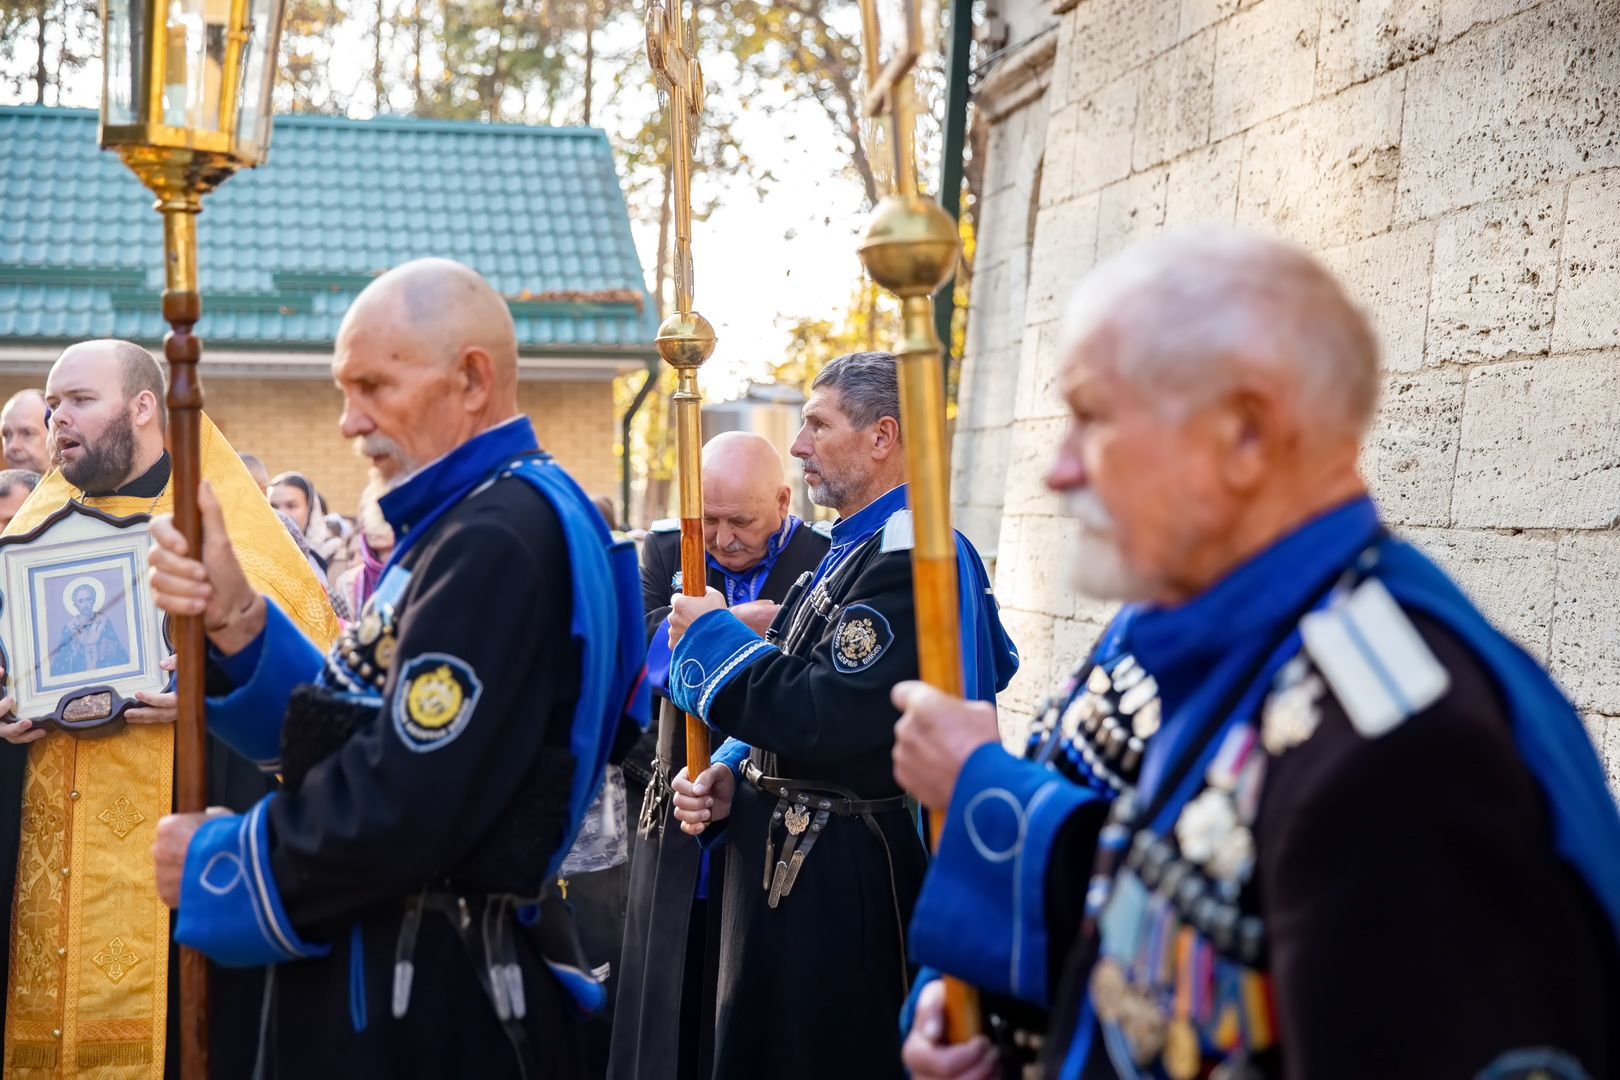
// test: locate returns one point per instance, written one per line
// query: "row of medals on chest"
(368, 646)
(1106, 727)
(1197, 880)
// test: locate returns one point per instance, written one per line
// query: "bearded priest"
(89, 970)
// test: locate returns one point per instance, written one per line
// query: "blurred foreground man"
(438, 759)
(823, 861)
(83, 911)
(663, 1023)
(1354, 831)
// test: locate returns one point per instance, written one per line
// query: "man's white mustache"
(379, 445)
(1083, 506)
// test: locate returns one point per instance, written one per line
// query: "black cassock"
(664, 1008)
(812, 987)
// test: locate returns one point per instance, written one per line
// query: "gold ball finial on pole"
(910, 245)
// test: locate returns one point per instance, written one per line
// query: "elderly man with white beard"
(1302, 812)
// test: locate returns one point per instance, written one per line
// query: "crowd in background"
(347, 551)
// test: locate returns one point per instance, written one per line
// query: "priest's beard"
(1091, 554)
(104, 465)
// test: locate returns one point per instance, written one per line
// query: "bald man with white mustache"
(438, 759)
(1302, 812)
(756, 551)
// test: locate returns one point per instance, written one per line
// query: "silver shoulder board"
(897, 532)
(822, 529)
(1374, 659)
(665, 525)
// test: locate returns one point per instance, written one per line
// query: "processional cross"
(685, 339)
(910, 247)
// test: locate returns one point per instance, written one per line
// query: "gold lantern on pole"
(685, 339)
(185, 103)
(910, 247)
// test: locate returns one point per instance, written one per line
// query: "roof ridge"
(386, 122)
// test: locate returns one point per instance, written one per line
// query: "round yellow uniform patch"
(434, 701)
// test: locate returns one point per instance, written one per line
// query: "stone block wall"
(1457, 163)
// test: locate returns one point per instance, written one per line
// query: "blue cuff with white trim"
(230, 907)
(981, 915)
(714, 650)
(249, 718)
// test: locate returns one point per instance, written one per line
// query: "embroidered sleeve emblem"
(435, 699)
(862, 637)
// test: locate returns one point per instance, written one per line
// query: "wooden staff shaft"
(933, 561)
(182, 307)
(694, 565)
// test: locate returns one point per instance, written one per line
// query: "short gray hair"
(10, 479)
(1187, 310)
(868, 386)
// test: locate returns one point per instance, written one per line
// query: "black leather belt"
(796, 800)
(815, 795)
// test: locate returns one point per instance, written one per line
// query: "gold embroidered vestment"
(89, 935)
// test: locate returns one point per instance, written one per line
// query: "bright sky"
(759, 262)
(762, 261)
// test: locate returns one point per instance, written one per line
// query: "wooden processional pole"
(910, 247)
(182, 307)
(685, 339)
(186, 103)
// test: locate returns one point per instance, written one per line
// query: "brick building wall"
(292, 424)
(1456, 162)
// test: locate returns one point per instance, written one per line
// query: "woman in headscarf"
(376, 543)
(295, 496)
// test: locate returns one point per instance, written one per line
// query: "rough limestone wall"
(995, 326)
(1457, 162)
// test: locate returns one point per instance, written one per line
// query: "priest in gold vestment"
(89, 947)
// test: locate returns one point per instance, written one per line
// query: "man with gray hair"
(1302, 812)
(22, 431)
(15, 487)
(823, 861)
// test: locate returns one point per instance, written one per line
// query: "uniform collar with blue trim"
(1180, 645)
(868, 519)
(448, 479)
(850, 532)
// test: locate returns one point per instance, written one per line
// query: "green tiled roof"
(284, 248)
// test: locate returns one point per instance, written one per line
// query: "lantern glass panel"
(258, 72)
(192, 62)
(125, 51)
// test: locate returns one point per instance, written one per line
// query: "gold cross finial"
(672, 51)
(889, 103)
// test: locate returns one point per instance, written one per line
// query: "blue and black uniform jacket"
(479, 691)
